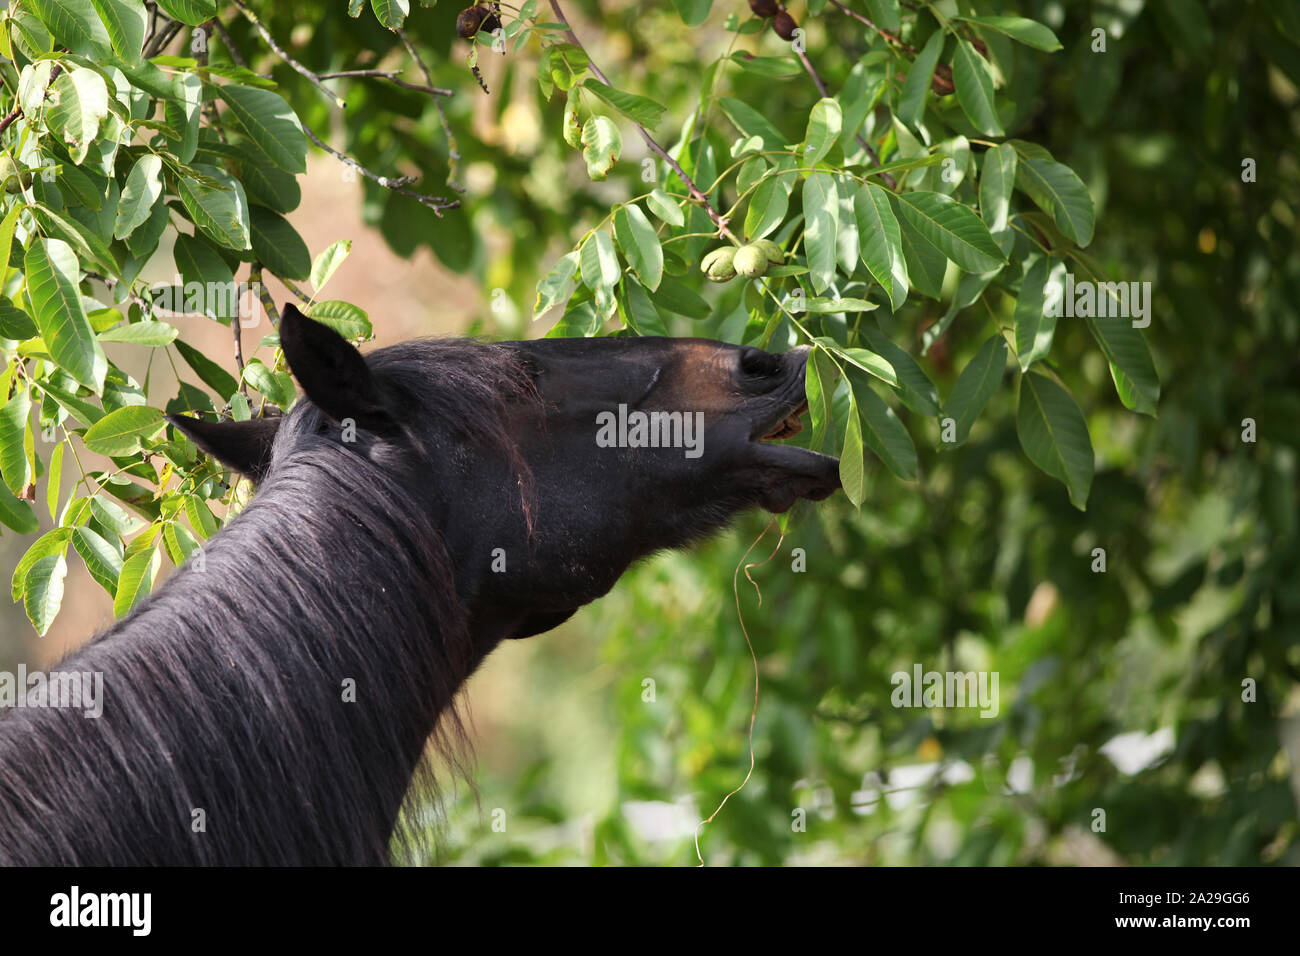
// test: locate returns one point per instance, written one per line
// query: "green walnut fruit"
(770, 249)
(750, 261)
(719, 265)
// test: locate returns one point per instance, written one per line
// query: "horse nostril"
(759, 363)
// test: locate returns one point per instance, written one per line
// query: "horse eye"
(759, 363)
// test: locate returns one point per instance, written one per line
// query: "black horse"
(271, 703)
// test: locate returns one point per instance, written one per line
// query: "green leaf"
(853, 471)
(953, 229)
(638, 311)
(884, 433)
(1034, 327)
(914, 388)
(269, 384)
(15, 423)
(820, 376)
(221, 213)
(776, 67)
(328, 261)
(277, 245)
(556, 285)
(143, 188)
(997, 177)
(911, 101)
(271, 186)
(135, 580)
(271, 123)
(52, 276)
(77, 102)
(88, 246)
(824, 123)
(7, 242)
(880, 243)
(344, 318)
(14, 322)
(192, 13)
(926, 265)
(821, 218)
(204, 272)
(102, 560)
(391, 13)
(665, 207)
(120, 432)
(52, 542)
(182, 113)
(640, 245)
(1054, 434)
(566, 63)
(54, 481)
(886, 14)
(1131, 367)
(600, 269)
(202, 520)
(974, 81)
(639, 109)
(768, 205)
(153, 333)
(1029, 32)
(74, 23)
(1057, 191)
(125, 22)
(17, 514)
(976, 385)
(751, 122)
(693, 12)
(43, 591)
(817, 304)
(601, 145)
(83, 411)
(680, 299)
(210, 373)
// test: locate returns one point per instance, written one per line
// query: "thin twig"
(398, 184)
(263, 294)
(229, 41)
(691, 188)
(162, 38)
(394, 76)
(280, 51)
(941, 82)
(453, 150)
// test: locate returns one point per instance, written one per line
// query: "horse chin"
(790, 473)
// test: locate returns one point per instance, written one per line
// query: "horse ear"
(243, 446)
(333, 373)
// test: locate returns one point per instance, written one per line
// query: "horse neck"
(285, 680)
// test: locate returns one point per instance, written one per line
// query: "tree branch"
(694, 190)
(398, 184)
(280, 51)
(453, 149)
(393, 76)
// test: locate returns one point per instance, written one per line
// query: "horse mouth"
(786, 427)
